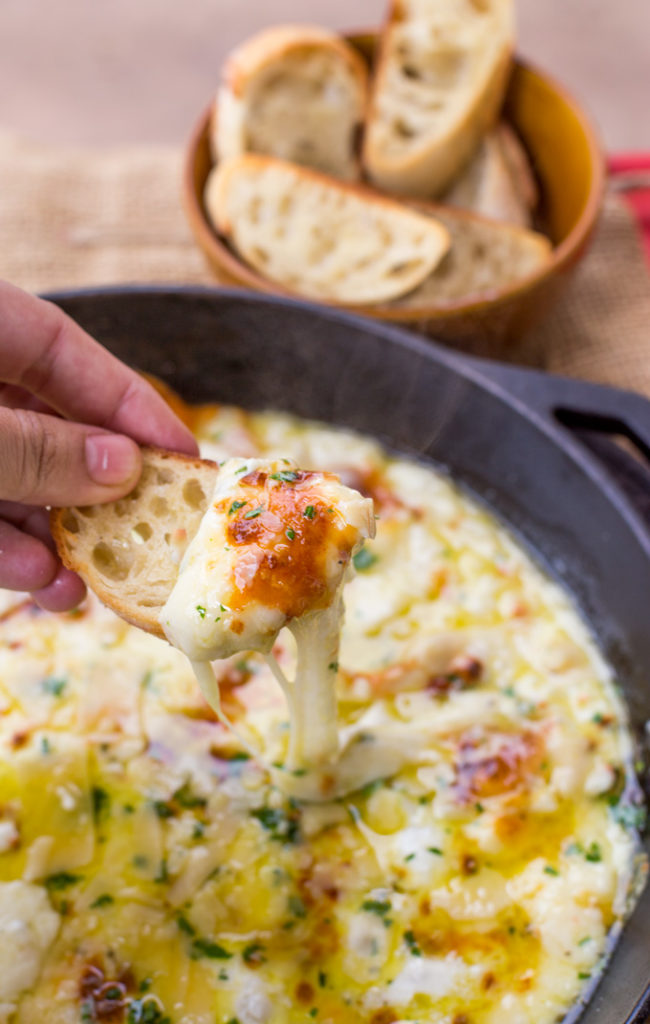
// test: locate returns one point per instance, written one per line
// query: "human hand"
(70, 417)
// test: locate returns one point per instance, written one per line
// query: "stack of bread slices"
(396, 187)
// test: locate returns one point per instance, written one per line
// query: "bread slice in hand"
(296, 92)
(485, 257)
(498, 182)
(128, 551)
(441, 75)
(318, 237)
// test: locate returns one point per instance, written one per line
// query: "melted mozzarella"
(272, 550)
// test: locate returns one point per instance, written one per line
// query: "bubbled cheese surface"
(151, 871)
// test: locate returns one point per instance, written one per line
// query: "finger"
(44, 351)
(61, 595)
(17, 398)
(45, 460)
(25, 562)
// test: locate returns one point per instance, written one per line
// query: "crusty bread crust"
(297, 92)
(128, 551)
(498, 182)
(486, 256)
(319, 237)
(438, 88)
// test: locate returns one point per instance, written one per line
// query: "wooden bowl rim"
(562, 255)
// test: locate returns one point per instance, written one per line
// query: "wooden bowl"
(569, 166)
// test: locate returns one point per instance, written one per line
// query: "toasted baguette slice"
(498, 182)
(128, 551)
(485, 257)
(318, 237)
(296, 92)
(441, 75)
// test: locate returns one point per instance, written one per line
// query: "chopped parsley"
(281, 826)
(380, 907)
(593, 853)
(61, 880)
(186, 798)
(162, 809)
(287, 476)
(436, 850)
(290, 534)
(322, 979)
(309, 512)
(254, 954)
(297, 907)
(583, 975)
(54, 685)
(201, 610)
(235, 505)
(146, 1011)
(101, 803)
(550, 870)
(253, 513)
(333, 666)
(242, 469)
(363, 560)
(46, 746)
(104, 900)
(207, 948)
(412, 943)
(185, 925)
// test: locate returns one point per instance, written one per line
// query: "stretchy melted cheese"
(271, 551)
(152, 871)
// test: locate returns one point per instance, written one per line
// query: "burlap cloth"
(89, 217)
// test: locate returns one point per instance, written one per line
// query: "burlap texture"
(87, 217)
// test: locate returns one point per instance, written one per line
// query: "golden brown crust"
(128, 551)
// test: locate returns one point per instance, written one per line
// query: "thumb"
(45, 460)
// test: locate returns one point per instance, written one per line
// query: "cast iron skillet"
(508, 434)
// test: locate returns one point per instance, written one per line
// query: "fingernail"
(111, 458)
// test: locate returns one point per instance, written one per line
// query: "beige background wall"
(106, 71)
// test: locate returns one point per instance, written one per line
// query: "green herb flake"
(162, 809)
(409, 857)
(201, 610)
(186, 798)
(185, 925)
(436, 850)
(286, 476)
(296, 906)
(313, 1012)
(101, 803)
(363, 560)
(254, 954)
(290, 534)
(411, 942)
(583, 975)
(630, 816)
(54, 685)
(253, 513)
(87, 1011)
(235, 505)
(209, 949)
(61, 880)
(46, 746)
(242, 469)
(146, 1011)
(322, 979)
(104, 900)
(551, 870)
(593, 853)
(282, 827)
(333, 666)
(380, 907)
(583, 942)
(309, 512)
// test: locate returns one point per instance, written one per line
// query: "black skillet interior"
(507, 434)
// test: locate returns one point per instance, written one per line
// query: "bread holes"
(141, 533)
(261, 255)
(164, 476)
(409, 71)
(403, 129)
(193, 494)
(403, 268)
(254, 208)
(108, 563)
(159, 506)
(71, 523)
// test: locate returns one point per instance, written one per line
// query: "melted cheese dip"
(151, 871)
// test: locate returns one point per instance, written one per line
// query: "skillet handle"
(578, 404)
